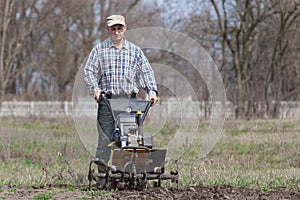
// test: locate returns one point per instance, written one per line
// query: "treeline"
(256, 45)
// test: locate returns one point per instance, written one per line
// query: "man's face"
(116, 31)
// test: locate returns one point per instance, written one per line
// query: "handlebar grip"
(104, 95)
(152, 101)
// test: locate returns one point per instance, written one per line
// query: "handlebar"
(105, 95)
(151, 102)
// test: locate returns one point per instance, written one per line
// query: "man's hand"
(97, 96)
(154, 97)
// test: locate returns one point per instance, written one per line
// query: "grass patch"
(238, 132)
(258, 154)
(97, 193)
(43, 196)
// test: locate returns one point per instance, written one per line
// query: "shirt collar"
(125, 44)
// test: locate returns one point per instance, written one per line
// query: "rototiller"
(134, 160)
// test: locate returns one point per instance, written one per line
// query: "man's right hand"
(97, 95)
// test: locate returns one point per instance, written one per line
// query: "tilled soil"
(195, 192)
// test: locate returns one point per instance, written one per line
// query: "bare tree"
(284, 23)
(7, 48)
(43, 43)
(238, 22)
(255, 43)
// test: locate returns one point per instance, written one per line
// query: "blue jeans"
(106, 128)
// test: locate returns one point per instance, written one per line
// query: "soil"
(195, 192)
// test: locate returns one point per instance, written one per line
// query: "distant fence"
(35, 108)
(171, 109)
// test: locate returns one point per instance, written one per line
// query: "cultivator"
(134, 160)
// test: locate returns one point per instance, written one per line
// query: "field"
(44, 159)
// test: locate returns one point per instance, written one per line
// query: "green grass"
(238, 132)
(40, 152)
(43, 196)
(263, 154)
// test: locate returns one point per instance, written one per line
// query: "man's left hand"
(154, 97)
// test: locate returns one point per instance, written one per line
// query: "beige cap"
(115, 19)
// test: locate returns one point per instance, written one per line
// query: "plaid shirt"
(118, 71)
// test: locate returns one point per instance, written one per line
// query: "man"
(118, 67)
